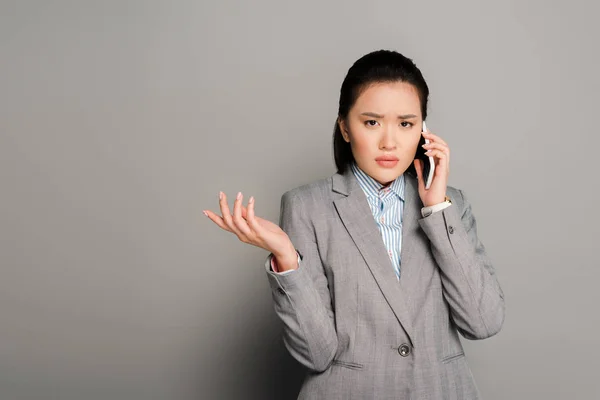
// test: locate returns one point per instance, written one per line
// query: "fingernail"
(251, 199)
(220, 195)
(205, 213)
(239, 195)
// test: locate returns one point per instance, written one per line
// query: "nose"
(388, 139)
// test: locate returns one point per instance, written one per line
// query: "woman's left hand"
(440, 152)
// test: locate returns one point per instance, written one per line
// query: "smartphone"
(428, 161)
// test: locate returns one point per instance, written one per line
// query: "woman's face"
(384, 121)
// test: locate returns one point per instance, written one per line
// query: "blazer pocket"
(347, 364)
(453, 357)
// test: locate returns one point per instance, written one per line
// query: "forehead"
(398, 97)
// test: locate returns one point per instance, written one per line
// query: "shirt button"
(404, 350)
(451, 229)
(382, 219)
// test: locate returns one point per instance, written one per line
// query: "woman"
(372, 275)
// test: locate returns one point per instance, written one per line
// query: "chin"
(387, 177)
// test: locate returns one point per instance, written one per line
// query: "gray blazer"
(363, 334)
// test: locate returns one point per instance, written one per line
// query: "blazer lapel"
(356, 216)
(414, 244)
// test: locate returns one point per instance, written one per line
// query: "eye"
(370, 122)
(406, 122)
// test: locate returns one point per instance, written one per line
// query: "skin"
(385, 120)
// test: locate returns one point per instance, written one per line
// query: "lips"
(386, 158)
(387, 161)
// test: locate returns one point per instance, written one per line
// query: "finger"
(217, 220)
(227, 218)
(250, 217)
(435, 153)
(434, 137)
(238, 220)
(245, 214)
(244, 210)
(439, 146)
(440, 155)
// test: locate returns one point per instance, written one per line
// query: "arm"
(276, 268)
(301, 297)
(469, 282)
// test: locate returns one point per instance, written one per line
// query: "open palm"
(249, 228)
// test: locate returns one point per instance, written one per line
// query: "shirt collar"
(373, 188)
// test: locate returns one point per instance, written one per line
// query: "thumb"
(419, 169)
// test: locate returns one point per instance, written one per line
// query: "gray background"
(121, 120)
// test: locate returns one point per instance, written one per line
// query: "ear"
(342, 125)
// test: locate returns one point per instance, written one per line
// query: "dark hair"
(376, 67)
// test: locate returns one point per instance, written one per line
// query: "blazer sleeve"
(301, 298)
(469, 282)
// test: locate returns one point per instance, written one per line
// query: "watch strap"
(427, 211)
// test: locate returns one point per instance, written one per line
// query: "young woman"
(372, 275)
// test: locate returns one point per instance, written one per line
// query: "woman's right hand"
(252, 229)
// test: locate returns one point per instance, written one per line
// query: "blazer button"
(451, 229)
(404, 350)
(280, 290)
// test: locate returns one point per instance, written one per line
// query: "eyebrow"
(375, 115)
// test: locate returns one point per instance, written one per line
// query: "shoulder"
(310, 194)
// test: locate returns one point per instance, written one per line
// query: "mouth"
(387, 161)
(386, 158)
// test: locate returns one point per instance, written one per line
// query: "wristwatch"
(427, 211)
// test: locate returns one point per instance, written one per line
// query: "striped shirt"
(387, 205)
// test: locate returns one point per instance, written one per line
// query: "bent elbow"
(490, 324)
(322, 361)
(316, 359)
(496, 321)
